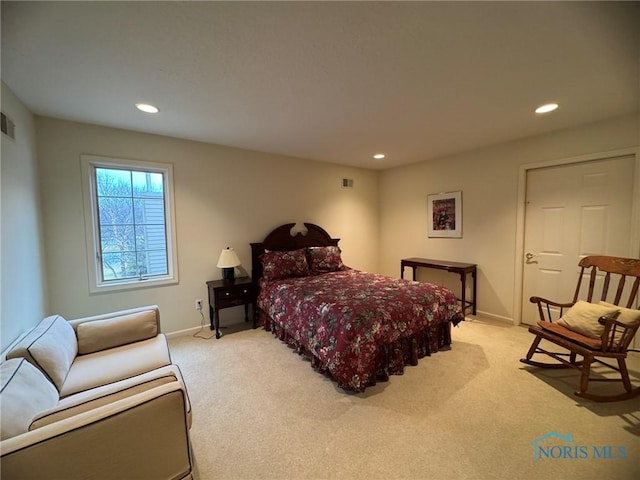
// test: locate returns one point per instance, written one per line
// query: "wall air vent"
(7, 126)
(347, 183)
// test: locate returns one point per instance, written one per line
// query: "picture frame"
(444, 215)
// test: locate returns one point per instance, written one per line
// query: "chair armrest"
(142, 436)
(544, 310)
(616, 336)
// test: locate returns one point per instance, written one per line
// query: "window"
(129, 223)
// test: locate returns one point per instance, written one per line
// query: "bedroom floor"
(472, 412)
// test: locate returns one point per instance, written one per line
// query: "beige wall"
(22, 292)
(227, 196)
(223, 197)
(488, 179)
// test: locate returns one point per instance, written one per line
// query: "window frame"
(89, 163)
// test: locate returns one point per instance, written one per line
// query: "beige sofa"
(95, 397)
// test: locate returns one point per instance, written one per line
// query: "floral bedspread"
(343, 318)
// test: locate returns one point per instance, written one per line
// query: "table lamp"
(227, 261)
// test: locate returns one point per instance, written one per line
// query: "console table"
(455, 267)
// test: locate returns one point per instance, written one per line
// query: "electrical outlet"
(198, 304)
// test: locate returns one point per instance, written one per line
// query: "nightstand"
(225, 294)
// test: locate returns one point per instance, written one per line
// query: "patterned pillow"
(324, 259)
(280, 265)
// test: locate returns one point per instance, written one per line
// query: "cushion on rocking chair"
(592, 343)
(628, 316)
(583, 318)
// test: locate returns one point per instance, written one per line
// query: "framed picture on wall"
(444, 215)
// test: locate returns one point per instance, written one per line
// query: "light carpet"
(472, 412)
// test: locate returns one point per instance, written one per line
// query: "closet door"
(573, 211)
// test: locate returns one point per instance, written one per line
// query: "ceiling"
(328, 81)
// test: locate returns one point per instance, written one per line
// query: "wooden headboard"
(281, 239)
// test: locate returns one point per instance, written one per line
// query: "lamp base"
(228, 274)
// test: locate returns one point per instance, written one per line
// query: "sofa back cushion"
(51, 346)
(24, 393)
(98, 335)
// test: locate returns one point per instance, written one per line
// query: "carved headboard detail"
(281, 239)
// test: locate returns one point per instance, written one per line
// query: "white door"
(573, 211)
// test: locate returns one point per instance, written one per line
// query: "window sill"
(132, 285)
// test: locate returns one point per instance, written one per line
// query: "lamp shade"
(228, 259)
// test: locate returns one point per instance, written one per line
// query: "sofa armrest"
(115, 329)
(142, 436)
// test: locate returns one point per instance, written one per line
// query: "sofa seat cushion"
(24, 393)
(51, 346)
(109, 366)
(107, 394)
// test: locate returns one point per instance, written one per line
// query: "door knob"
(530, 257)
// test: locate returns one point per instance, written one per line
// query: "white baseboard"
(480, 315)
(187, 331)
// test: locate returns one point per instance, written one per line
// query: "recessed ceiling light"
(549, 107)
(379, 156)
(147, 108)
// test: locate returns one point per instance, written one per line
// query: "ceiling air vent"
(8, 127)
(347, 183)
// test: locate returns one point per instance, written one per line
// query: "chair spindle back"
(613, 268)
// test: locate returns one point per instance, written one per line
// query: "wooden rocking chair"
(615, 339)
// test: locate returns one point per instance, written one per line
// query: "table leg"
(216, 316)
(255, 315)
(246, 312)
(463, 279)
(473, 277)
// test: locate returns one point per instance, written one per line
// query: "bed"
(357, 327)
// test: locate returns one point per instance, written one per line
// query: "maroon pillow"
(324, 259)
(280, 265)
